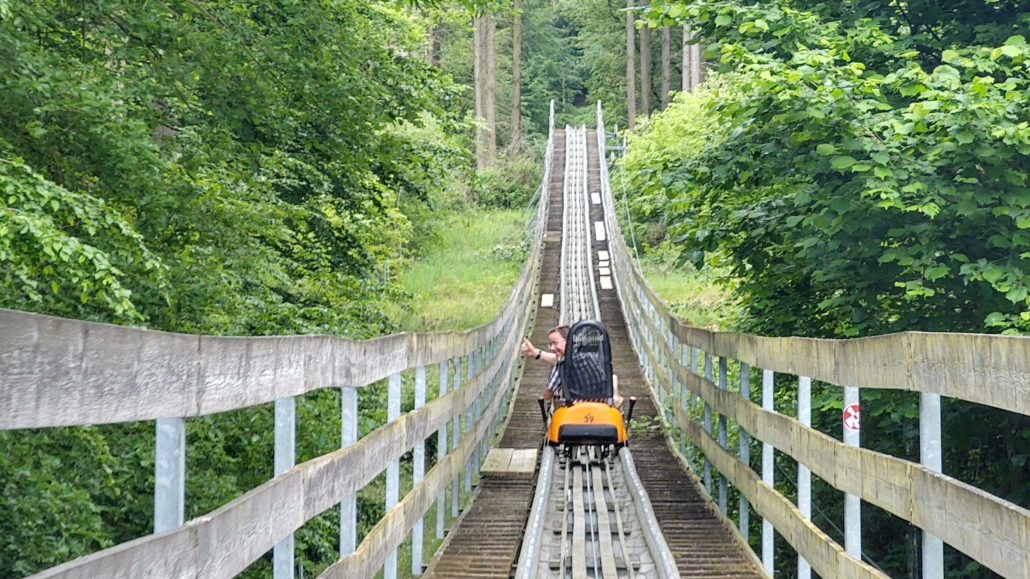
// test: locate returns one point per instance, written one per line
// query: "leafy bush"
(507, 184)
(861, 172)
(854, 198)
(67, 253)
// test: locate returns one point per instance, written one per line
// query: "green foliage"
(206, 167)
(45, 263)
(861, 169)
(507, 184)
(875, 187)
(699, 297)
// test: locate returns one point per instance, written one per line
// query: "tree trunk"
(516, 76)
(645, 69)
(434, 45)
(631, 74)
(479, 80)
(695, 66)
(666, 67)
(685, 74)
(490, 96)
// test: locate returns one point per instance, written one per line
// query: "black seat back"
(586, 373)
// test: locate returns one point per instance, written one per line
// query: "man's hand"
(528, 349)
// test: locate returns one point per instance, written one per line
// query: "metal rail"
(572, 536)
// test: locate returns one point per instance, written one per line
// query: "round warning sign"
(851, 419)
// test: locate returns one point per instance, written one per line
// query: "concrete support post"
(767, 473)
(349, 506)
(441, 453)
(931, 457)
(708, 425)
(455, 441)
(852, 504)
(169, 474)
(418, 470)
(745, 450)
(804, 474)
(285, 458)
(393, 470)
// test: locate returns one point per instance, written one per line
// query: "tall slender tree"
(433, 56)
(516, 75)
(631, 75)
(666, 66)
(479, 85)
(685, 80)
(695, 65)
(645, 67)
(484, 72)
(490, 93)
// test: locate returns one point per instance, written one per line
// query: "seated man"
(556, 341)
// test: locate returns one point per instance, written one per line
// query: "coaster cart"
(587, 417)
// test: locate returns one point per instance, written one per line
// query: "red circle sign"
(851, 419)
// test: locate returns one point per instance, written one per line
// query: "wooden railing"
(989, 370)
(60, 372)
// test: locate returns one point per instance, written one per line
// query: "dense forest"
(245, 168)
(858, 168)
(850, 168)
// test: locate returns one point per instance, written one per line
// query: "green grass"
(695, 296)
(462, 281)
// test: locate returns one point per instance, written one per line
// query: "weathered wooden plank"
(60, 372)
(223, 543)
(987, 528)
(986, 369)
(497, 460)
(604, 529)
(579, 523)
(523, 460)
(826, 557)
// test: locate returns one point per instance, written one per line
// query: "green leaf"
(992, 274)
(1016, 295)
(842, 162)
(966, 207)
(949, 56)
(936, 272)
(722, 20)
(841, 206)
(883, 172)
(825, 149)
(1010, 51)
(964, 137)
